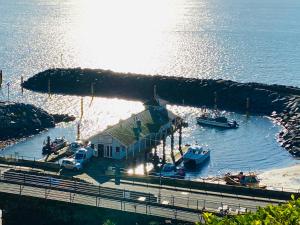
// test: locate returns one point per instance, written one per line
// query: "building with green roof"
(136, 133)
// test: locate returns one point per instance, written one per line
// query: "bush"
(284, 214)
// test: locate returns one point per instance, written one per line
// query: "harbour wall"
(211, 187)
(280, 102)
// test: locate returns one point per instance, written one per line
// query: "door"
(100, 150)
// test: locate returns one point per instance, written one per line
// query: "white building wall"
(110, 145)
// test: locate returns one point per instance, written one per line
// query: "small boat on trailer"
(53, 146)
(216, 120)
(241, 179)
(195, 156)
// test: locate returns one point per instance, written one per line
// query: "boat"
(216, 120)
(195, 156)
(241, 179)
(55, 145)
(170, 170)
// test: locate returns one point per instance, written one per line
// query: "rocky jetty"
(282, 102)
(21, 120)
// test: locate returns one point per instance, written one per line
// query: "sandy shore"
(288, 178)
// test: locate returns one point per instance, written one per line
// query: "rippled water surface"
(239, 40)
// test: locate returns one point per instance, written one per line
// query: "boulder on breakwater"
(21, 120)
(282, 101)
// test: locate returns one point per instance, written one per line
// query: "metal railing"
(170, 206)
(11, 158)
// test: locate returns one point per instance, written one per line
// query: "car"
(71, 164)
(74, 146)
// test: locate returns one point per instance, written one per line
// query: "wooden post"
(172, 147)
(1, 78)
(145, 163)
(22, 81)
(247, 105)
(92, 89)
(215, 99)
(180, 139)
(8, 85)
(49, 87)
(78, 131)
(81, 107)
(164, 149)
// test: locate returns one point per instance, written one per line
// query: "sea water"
(245, 41)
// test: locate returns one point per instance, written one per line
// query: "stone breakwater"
(20, 120)
(280, 102)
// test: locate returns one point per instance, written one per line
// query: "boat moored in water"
(213, 119)
(195, 156)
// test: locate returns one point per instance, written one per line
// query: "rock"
(58, 118)
(21, 120)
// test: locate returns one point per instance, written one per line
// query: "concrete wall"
(222, 188)
(30, 163)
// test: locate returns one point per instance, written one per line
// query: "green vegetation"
(109, 222)
(285, 214)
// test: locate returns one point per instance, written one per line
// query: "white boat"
(170, 170)
(195, 156)
(216, 120)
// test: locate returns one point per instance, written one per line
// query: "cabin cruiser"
(53, 146)
(213, 119)
(170, 170)
(195, 156)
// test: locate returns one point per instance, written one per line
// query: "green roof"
(151, 120)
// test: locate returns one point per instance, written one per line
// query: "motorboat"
(213, 119)
(241, 179)
(195, 156)
(170, 170)
(55, 145)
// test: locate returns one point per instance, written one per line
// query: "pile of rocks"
(21, 120)
(289, 137)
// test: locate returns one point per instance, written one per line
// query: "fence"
(170, 206)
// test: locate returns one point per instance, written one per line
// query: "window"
(117, 149)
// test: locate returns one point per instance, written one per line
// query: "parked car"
(79, 160)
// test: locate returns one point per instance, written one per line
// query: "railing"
(171, 206)
(34, 162)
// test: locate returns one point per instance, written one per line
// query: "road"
(182, 204)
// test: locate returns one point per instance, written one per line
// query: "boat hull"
(216, 124)
(191, 163)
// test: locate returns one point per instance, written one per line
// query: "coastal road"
(172, 203)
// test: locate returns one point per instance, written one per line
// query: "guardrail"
(177, 205)
(283, 194)
(28, 162)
